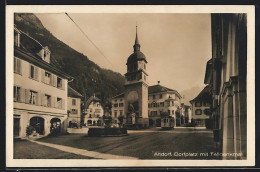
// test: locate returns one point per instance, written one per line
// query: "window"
(116, 121)
(154, 104)
(59, 103)
(74, 111)
(172, 111)
(47, 100)
(17, 66)
(121, 104)
(207, 111)
(153, 113)
(34, 72)
(90, 116)
(197, 104)
(73, 102)
(90, 110)
(198, 112)
(47, 78)
(116, 105)
(160, 96)
(169, 112)
(162, 104)
(153, 96)
(59, 82)
(121, 112)
(17, 94)
(172, 103)
(33, 97)
(115, 113)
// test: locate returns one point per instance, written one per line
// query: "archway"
(98, 123)
(89, 122)
(38, 124)
(55, 125)
(158, 122)
(151, 123)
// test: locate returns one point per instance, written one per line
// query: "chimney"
(158, 82)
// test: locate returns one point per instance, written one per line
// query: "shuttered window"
(34, 72)
(198, 112)
(59, 82)
(17, 94)
(59, 103)
(32, 97)
(73, 102)
(17, 66)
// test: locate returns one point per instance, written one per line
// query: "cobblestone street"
(180, 143)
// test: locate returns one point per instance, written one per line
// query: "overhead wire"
(90, 40)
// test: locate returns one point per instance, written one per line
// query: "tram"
(167, 122)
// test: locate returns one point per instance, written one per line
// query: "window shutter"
(51, 79)
(19, 66)
(62, 104)
(15, 61)
(63, 84)
(54, 80)
(38, 98)
(42, 99)
(27, 96)
(22, 95)
(36, 72)
(54, 102)
(43, 76)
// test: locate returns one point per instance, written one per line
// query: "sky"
(177, 46)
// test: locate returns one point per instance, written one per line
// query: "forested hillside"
(89, 78)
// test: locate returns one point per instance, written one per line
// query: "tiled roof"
(73, 93)
(204, 95)
(31, 47)
(159, 88)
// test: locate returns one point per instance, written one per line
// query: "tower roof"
(137, 55)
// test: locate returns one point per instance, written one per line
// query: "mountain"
(190, 94)
(89, 78)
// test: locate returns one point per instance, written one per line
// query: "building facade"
(93, 113)
(226, 75)
(118, 107)
(163, 100)
(74, 107)
(40, 89)
(201, 108)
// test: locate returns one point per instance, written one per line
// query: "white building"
(162, 100)
(93, 112)
(40, 89)
(201, 107)
(74, 107)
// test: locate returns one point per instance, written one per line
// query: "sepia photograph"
(143, 86)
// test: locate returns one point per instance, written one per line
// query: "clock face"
(132, 97)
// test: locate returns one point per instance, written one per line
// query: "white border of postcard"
(249, 9)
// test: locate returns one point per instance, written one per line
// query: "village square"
(58, 113)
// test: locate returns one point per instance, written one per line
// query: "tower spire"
(136, 45)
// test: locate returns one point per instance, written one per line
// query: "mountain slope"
(89, 78)
(190, 94)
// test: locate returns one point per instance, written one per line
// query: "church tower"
(136, 88)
